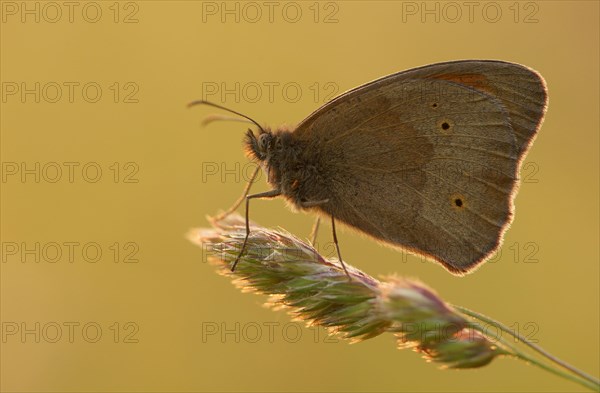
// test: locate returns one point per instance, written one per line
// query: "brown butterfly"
(425, 159)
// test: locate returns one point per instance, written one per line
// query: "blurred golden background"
(104, 171)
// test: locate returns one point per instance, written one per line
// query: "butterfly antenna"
(212, 118)
(202, 102)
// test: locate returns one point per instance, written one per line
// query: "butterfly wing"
(521, 90)
(428, 159)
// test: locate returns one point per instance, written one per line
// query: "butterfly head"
(260, 147)
(273, 149)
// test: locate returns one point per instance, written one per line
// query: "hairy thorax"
(292, 166)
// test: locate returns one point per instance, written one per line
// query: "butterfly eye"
(263, 142)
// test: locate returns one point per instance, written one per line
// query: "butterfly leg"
(315, 228)
(267, 194)
(314, 231)
(241, 198)
(337, 246)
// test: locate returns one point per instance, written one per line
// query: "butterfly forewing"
(428, 159)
